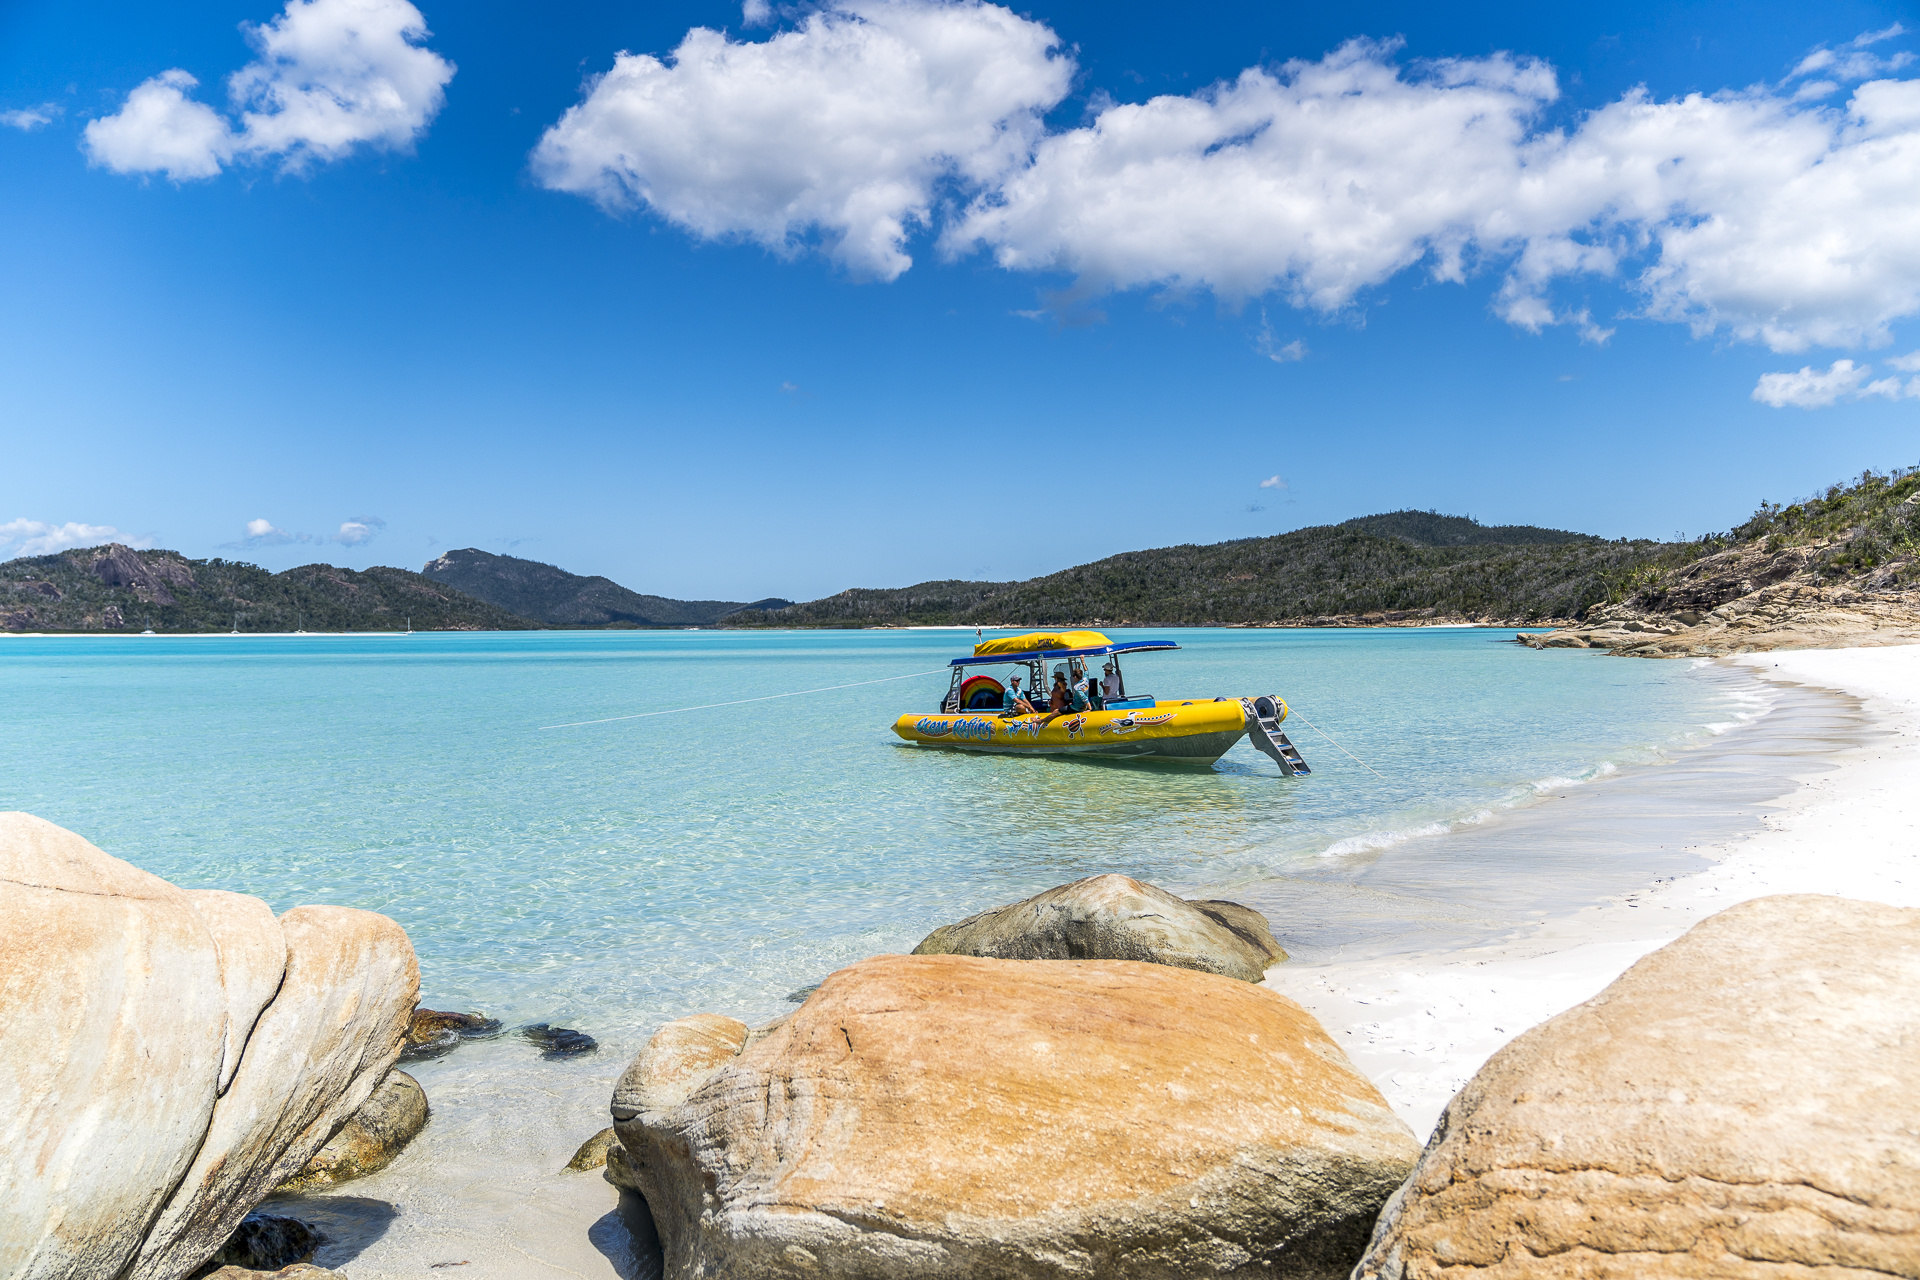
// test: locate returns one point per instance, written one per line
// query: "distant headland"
(1844, 562)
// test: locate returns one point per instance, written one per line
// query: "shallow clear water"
(612, 875)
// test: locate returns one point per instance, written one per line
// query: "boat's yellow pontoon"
(978, 713)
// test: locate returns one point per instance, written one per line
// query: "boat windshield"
(989, 685)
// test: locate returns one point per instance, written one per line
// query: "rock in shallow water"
(434, 1032)
(368, 1142)
(560, 1042)
(205, 1050)
(1741, 1103)
(1114, 917)
(948, 1116)
(593, 1152)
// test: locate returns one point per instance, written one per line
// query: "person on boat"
(1086, 691)
(1110, 683)
(1064, 700)
(1015, 705)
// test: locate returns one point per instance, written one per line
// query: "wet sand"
(1846, 823)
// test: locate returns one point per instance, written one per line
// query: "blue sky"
(900, 291)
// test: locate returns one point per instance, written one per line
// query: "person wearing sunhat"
(1060, 701)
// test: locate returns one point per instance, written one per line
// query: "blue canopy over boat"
(1094, 651)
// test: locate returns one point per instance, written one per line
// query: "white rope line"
(801, 693)
(1329, 737)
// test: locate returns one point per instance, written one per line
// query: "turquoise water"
(612, 875)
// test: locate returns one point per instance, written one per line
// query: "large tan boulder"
(1115, 917)
(170, 1056)
(115, 1036)
(950, 1116)
(1744, 1102)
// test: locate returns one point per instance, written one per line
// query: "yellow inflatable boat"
(980, 711)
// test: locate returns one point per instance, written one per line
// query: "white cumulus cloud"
(1767, 213)
(159, 129)
(1811, 388)
(841, 127)
(1316, 180)
(1747, 212)
(264, 533)
(331, 75)
(38, 538)
(1273, 482)
(358, 530)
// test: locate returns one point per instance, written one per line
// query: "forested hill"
(1431, 529)
(114, 588)
(561, 599)
(1400, 566)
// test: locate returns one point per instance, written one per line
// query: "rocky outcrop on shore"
(1794, 618)
(1114, 917)
(951, 1116)
(171, 1056)
(1741, 1103)
(1747, 599)
(367, 1143)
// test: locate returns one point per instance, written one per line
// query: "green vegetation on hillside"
(1869, 524)
(1431, 529)
(1407, 565)
(551, 595)
(113, 588)
(1327, 572)
(1862, 535)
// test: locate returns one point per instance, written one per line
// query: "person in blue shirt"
(1086, 693)
(1014, 704)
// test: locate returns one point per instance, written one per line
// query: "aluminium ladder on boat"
(1263, 730)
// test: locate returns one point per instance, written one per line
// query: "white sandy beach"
(1421, 1026)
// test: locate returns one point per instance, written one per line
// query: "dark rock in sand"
(593, 1152)
(560, 1042)
(298, 1271)
(1114, 917)
(267, 1242)
(367, 1143)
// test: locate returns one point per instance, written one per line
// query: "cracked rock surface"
(171, 1055)
(955, 1116)
(1744, 1102)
